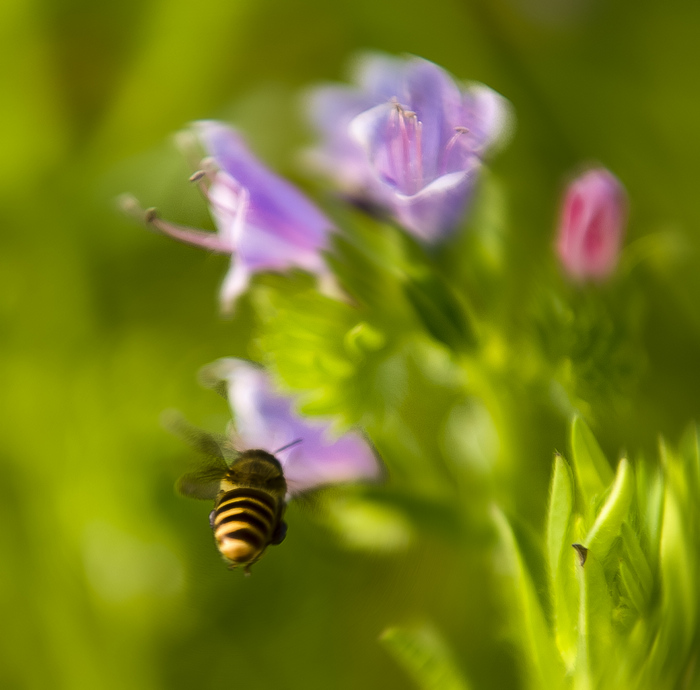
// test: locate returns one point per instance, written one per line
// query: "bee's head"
(260, 468)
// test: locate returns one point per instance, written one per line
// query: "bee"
(250, 488)
(249, 492)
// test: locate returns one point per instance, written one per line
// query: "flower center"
(405, 152)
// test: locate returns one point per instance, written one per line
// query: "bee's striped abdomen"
(244, 521)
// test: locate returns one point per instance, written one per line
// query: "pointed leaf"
(425, 657)
(595, 624)
(440, 311)
(563, 583)
(636, 560)
(690, 456)
(561, 501)
(650, 499)
(679, 598)
(592, 468)
(543, 666)
(633, 588)
(615, 510)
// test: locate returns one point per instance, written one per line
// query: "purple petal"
(267, 420)
(273, 203)
(417, 129)
(437, 209)
(380, 76)
(235, 284)
(486, 115)
(263, 250)
(331, 109)
(436, 100)
(390, 140)
(229, 205)
(321, 459)
(332, 106)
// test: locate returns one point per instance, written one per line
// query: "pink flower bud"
(592, 223)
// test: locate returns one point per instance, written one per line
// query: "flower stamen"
(458, 132)
(410, 169)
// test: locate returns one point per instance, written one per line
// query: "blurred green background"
(109, 580)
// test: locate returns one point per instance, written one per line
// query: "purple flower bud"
(263, 221)
(264, 419)
(409, 140)
(592, 224)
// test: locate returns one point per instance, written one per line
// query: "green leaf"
(595, 646)
(562, 574)
(633, 588)
(592, 469)
(440, 311)
(679, 581)
(364, 264)
(615, 510)
(303, 337)
(561, 502)
(636, 560)
(690, 457)
(543, 665)
(425, 657)
(650, 499)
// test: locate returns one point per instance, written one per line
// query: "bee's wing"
(267, 420)
(211, 445)
(203, 483)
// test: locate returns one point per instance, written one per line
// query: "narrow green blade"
(425, 657)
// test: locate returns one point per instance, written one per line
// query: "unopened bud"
(592, 225)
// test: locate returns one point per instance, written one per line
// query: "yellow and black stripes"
(244, 522)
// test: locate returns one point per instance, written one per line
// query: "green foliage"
(619, 619)
(425, 657)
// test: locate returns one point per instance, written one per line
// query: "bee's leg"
(279, 534)
(211, 518)
(246, 570)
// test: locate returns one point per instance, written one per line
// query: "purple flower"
(592, 224)
(263, 221)
(266, 420)
(407, 139)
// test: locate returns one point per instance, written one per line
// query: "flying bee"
(251, 487)
(249, 494)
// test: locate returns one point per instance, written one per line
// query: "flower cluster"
(407, 141)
